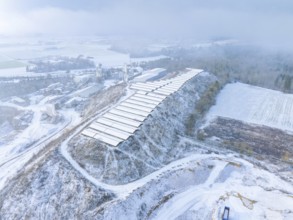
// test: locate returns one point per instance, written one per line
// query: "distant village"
(75, 72)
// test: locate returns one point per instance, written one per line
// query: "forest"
(248, 64)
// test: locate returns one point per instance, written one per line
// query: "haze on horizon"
(264, 21)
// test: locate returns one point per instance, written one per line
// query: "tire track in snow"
(187, 199)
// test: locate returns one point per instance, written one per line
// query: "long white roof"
(133, 111)
(89, 133)
(118, 125)
(152, 106)
(123, 120)
(144, 100)
(102, 137)
(127, 115)
(149, 97)
(137, 107)
(110, 130)
(156, 95)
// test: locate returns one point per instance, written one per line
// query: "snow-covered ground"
(247, 190)
(185, 190)
(16, 152)
(87, 92)
(256, 105)
(15, 72)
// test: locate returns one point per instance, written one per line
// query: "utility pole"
(125, 75)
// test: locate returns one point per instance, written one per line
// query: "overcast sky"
(256, 20)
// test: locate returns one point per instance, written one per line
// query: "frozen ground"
(255, 105)
(23, 144)
(14, 72)
(235, 183)
(200, 186)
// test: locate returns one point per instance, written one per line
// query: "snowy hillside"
(152, 146)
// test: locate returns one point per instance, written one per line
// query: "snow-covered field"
(14, 72)
(101, 52)
(255, 105)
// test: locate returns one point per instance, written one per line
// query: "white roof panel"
(137, 107)
(173, 88)
(88, 132)
(181, 79)
(110, 130)
(145, 100)
(152, 106)
(123, 120)
(108, 139)
(162, 92)
(178, 84)
(156, 83)
(174, 83)
(156, 95)
(133, 111)
(142, 89)
(101, 137)
(144, 86)
(149, 97)
(184, 76)
(167, 90)
(118, 125)
(141, 92)
(127, 115)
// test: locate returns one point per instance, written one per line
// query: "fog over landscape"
(263, 21)
(146, 109)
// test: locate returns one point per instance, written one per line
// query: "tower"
(99, 72)
(125, 75)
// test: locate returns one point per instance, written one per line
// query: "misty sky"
(259, 20)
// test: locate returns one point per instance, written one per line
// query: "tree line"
(243, 63)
